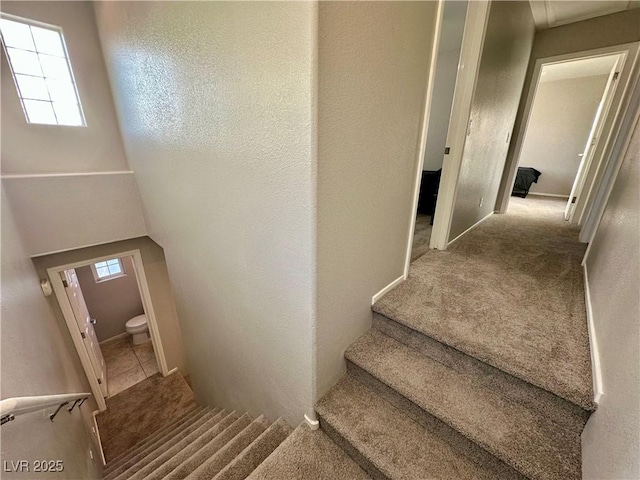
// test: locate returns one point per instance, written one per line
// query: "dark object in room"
(524, 178)
(429, 192)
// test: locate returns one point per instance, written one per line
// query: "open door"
(592, 141)
(85, 325)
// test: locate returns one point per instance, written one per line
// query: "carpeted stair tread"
(308, 455)
(511, 294)
(257, 451)
(156, 458)
(233, 447)
(167, 441)
(529, 442)
(189, 460)
(542, 401)
(388, 444)
(160, 436)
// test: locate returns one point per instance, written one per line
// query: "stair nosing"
(440, 413)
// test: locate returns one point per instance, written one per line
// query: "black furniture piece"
(524, 178)
(429, 192)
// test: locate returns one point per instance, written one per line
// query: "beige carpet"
(511, 294)
(142, 409)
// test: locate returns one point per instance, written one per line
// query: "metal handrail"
(11, 407)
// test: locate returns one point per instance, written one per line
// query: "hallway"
(511, 294)
(477, 366)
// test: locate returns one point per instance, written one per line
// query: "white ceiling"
(578, 68)
(553, 13)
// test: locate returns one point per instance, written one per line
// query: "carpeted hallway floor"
(511, 294)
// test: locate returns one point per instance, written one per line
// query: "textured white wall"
(561, 118)
(373, 69)
(55, 213)
(216, 108)
(60, 213)
(508, 40)
(38, 358)
(610, 447)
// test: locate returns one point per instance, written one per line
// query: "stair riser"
(152, 442)
(458, 441)
(353, 452)
(191, 414)
(168, 440)
(196, 439)
(562, 412)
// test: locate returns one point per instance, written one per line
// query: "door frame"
(603, 148)
(595, 133)
(67, 312)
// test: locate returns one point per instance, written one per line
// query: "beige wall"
(56, 213)
(560, 122)
(505, 55)
(113, 302)
(599, 32)
(225, 169)
(610, 447)
(38, 359)
(160, 289)
(373, 69)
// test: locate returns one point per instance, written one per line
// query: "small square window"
(108, 269)
(41, 70)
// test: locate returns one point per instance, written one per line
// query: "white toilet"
(138, 327)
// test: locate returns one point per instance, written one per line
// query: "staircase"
(480, 394)
(216, 444)
(205, 443)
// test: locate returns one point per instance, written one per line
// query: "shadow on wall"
(111, 302)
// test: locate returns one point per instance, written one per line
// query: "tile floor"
(127, 364)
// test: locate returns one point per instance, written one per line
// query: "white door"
(592, 140)
(85, 325)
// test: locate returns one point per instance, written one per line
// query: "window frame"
(59, 30)
(113, 276)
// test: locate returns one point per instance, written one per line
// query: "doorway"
(444, 84)
(572, 99)
(103, 328)
(598, 149)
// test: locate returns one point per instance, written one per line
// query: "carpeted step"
(544, 402)
(253, 455)
(166, 441)
(189, 459)
(388, 444)
(151, 443)
(156, 458)
(308, 455)
(425, 389)
(212, 466)
(512, 304)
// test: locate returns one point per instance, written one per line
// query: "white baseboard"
(386, 289)
(173, 370)
(566, 197)
(115, 337)
(469, 229)
(313, 424)
(596, 371)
